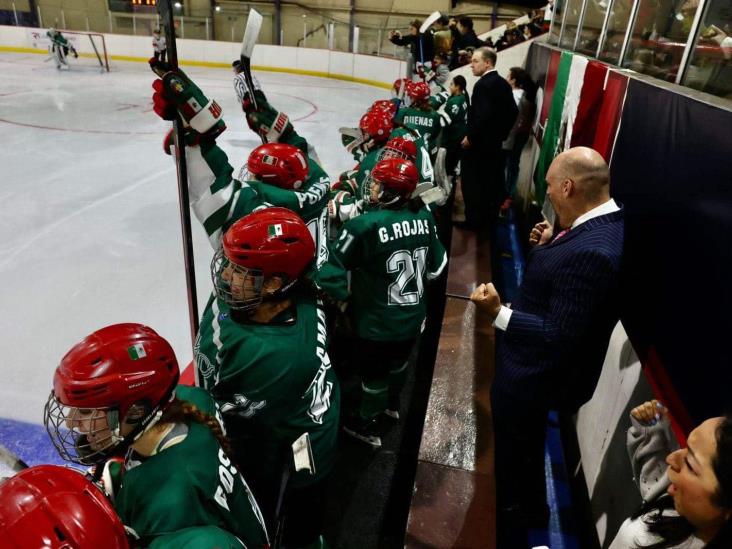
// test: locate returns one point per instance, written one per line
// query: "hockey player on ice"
(116, 395)
(160, 48)
(378, 265)
(261, 352)
(60, 48)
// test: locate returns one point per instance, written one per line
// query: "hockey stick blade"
(302, 453)
(434, 16)
(251, 33)
(9, 459)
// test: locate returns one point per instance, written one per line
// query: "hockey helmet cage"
(398, 178)
(266, 243)
(400, 147)
(59, 508)
(418, 92)
(377, 125)
(279, 164)
(108, 389)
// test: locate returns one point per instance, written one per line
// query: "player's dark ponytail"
(461, 83)
(181, 411)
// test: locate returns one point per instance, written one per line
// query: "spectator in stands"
(491, 116)
(421, 46)
(687, 493)
(463, 37)
(443, 36)
(440, 73)
(555, 335)
(524, 93)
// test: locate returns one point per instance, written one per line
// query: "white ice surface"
(89, 221)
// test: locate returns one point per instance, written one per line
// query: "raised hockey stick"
(251, 33)
(434, 16)
(165, 9)
(10, 460)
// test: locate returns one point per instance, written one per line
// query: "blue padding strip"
(29, 441)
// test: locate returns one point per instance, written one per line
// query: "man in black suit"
(490, 118)
(555, 335)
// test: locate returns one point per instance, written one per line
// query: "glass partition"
(591, 26)
(617, 24)
(571, 20)
(710, 66)
(660, 32)
(556, 27)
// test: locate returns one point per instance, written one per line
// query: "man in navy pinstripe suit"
(555, 334)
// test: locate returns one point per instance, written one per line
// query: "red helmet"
(418, 92)
(398, 178)
(385, 105)
(57, 507)
(377, 125)
(398, 85)
(279, 164)
(399, 147)
(265, 243)
(109, 388)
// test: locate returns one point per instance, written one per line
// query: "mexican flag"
(274, 230)
(137, 351)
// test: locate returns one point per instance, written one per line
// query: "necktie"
(560, 235)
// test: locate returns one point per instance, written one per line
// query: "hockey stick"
(434, 16)
(165, 9)
(251, 33)
(9, 459)
(302, 454)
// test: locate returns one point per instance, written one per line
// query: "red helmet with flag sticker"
(273, 242)
(419, 92)
(377, 125)
(384, 105)
(398, 83)
(400, 147)
(108, 389)
(279, 164)
(58, 508)
(398, 178)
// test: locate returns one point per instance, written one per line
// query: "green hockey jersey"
(438, 98)
(310, 202)
(389, 254)
(205, 537)
(350, 196)
(274, 378)
(454, 120)
(427, 123)
(218, 200)
(189, 484)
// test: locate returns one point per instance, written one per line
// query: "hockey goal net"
(90, 46)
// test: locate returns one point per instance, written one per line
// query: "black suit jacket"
(568, 304)
(492, 112)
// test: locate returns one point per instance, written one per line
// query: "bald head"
(588, 170)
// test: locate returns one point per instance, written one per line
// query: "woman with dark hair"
(687, 492)
(524, 93)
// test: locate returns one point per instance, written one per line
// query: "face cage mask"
(245, 174)
(72, 443)
(387, 153)
(233, 294)
(385, 199)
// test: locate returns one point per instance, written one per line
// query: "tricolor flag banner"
(275, 230)
(137, 351)
(588, 111)
(553, 124)
(575, 84)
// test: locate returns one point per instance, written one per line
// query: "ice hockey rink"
(89, 210)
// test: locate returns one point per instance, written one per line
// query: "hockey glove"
(176, 92)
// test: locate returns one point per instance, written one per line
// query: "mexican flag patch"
(137, 351)
(274, 230)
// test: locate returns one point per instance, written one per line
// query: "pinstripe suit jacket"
(568, 304)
